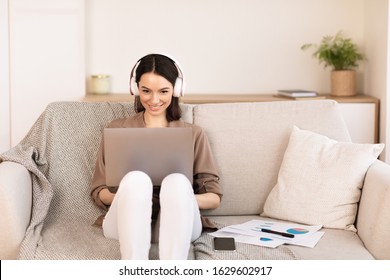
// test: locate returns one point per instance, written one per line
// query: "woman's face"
(155, 93)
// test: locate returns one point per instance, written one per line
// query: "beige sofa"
(44, 181)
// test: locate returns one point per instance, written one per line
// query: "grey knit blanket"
(60, 153)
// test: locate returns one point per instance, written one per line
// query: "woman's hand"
(208, 200)
(106, 196)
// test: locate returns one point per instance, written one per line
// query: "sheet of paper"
(259, 241)
(254, 228)
(310, 241)
(251, 232)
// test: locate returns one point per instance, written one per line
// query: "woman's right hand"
(106, 196)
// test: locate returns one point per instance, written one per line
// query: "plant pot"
(343, 83)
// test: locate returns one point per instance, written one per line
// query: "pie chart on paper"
(297, 230)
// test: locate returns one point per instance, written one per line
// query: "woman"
(173, 207)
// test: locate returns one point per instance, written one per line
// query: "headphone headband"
(178, 87)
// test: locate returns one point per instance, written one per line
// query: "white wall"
(5, 129)
(46, 57)
(385, 124)
(234, 46)
(377, 67)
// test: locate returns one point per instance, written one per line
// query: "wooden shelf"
(226, 98)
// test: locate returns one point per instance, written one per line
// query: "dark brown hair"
(162, 66)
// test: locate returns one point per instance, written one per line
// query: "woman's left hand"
(208, 200)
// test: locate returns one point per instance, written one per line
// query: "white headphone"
(178, 87)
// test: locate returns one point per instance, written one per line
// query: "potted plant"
(343, 56)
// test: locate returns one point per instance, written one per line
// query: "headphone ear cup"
(133, 86)
(178, 88)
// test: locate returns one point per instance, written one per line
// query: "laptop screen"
(156, 151)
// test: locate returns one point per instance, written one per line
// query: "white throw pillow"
(320, 180)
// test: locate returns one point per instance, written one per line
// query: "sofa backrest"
(249, 139)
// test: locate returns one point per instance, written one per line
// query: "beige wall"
(5, 138)
(235, 46)
(47, 58)
(376, 69)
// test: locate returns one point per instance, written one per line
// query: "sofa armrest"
(15, 207)
(374, 211)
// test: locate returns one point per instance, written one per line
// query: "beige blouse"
(206, 178)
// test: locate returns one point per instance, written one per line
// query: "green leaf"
(337, 52)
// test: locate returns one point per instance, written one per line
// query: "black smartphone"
(224, 244)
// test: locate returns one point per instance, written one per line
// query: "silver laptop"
(156, 151)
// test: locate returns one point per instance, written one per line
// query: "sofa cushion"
(249, 139)
(320, 180)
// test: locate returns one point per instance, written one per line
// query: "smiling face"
(155, 94)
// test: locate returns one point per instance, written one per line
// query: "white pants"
(130, 216)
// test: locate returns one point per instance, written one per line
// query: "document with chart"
(272, 233)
